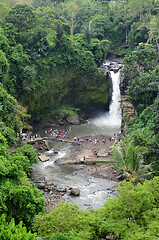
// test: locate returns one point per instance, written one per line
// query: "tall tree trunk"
(157, 43)
(126, 40)
(72, 26)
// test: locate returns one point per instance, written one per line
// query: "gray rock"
(75, 191)
(48, 178)
(61, 114)
(41, 185)
(73, 119)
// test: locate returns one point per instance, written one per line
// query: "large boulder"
(41, 185)
(75, 191)
(73, 119)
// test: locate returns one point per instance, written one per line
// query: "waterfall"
(113, 117)
(114, 109)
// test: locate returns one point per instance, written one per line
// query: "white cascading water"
(113, 117)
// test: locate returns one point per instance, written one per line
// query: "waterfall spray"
(113, 117)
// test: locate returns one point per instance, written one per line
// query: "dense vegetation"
(19, 198)
(50, 52)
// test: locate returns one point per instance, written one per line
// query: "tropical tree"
(140, 91)
(137, 34)
(142, 7)
(154, 31)
(4, 66)
(4, 9)
(156, 115)
(138, 65)
(8, 108)
(130, 161)
(21, 199)
(22, 17)
(142, 59)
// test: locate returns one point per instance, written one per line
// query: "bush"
(21, 201)
(14, 232)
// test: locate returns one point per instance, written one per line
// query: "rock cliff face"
(123, 83)
(128, 111)
(128, 114)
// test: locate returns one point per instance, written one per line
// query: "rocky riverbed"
(97, 164)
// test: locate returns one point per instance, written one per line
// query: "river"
(93, 191)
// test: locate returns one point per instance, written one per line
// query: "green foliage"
(130, 161)
(48, 61)
(66, 221)
(12, 115)
(60, 236)
(8, 133)
(140, 71)
(24, 157)
(3, 146)
(8, 108)
(153, 30)
(3, 65)
(156, 115)
(44, 44)
(63, 218)
(3, 11)
(149, 145)
(137, 34)
(10, 170)
(14, 232)
(140, 92)
(134, 213)
(145, 120)
(71, 35)
(144, 56)
(4, 45)
(21, 200)
(22, 17)
(20, 161)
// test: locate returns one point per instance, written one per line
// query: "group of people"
(91, 138)
(29, 136)
(64, 134)
(55, 133)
